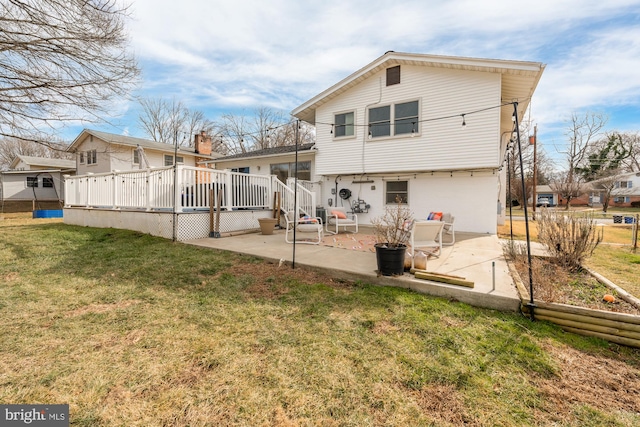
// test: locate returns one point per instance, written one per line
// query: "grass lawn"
(134, 330)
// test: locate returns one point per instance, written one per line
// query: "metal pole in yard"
(295, 198)
(530, 304)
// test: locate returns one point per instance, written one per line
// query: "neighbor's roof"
(134, 142)
(43, 162)
(269, 152)
(519, 78)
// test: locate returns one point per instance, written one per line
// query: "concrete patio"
(478, 258)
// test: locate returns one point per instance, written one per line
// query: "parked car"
(543, 202)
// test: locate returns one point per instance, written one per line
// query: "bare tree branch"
(171, 121)
(60, 61)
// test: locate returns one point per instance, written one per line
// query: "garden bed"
(574, 301)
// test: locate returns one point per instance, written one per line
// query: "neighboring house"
(626, 191)
(34, 183)
(432, 130)
(99, 152)
(546, 192)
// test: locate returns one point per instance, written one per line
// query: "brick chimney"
(202, 143)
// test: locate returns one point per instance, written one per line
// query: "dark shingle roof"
(286, 149)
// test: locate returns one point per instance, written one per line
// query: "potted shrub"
(392, 231)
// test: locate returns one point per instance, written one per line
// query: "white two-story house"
(431, 130)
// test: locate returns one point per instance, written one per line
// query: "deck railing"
(153, 189)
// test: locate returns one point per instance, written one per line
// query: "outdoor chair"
(448, 219)
(307, 226)
(426, 235)
(338, 217)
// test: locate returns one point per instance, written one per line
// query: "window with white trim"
(168, 159)
(136, 157)
(403, 118)
(344, 124)
(395, 190)
(81, 157)
(92, 157)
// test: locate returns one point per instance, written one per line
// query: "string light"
(414, 127)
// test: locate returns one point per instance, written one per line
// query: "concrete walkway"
(477, 258)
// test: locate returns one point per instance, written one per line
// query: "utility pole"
(535, 169)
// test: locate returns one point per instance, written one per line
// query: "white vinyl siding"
(439, 145)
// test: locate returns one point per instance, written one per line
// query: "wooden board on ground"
(444, 278)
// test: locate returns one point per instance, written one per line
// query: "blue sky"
(235, 56)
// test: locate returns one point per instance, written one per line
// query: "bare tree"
(171, 122)
(631, 142)
(267, 128)
(10, 148)
(61, 61)
(582, 131)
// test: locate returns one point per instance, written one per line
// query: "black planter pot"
(390, 260)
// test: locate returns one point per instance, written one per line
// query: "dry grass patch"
(603, 383)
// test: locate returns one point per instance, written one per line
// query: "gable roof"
(43, 162)
(269, 152)
(519, 78)
(131, 141)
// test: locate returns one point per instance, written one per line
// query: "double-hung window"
(344, 124)
(406, 118)
(380, 121)
(168, 159)
(92, 157)
(397, 119)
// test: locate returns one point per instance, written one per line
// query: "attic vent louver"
(393, 75)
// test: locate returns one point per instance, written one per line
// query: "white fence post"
(114, 190)
(88, 201)
(177, 184)
(228, 189)
(147, 189)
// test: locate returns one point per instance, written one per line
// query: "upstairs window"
(47, 182)
(136, 157)
(406, 119)
(92, 157)
(393, 75)
(344, 124)
(81, 157)
(241, 170)
(380, 121)
(32, 181)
